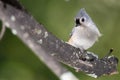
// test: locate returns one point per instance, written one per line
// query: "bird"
(85, 33)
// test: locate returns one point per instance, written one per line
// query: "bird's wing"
(72, 32)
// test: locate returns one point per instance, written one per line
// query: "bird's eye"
(82, 20)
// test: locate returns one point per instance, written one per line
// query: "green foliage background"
(17, 62)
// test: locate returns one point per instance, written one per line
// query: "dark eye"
(82, 20)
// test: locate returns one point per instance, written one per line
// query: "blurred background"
(17, 62)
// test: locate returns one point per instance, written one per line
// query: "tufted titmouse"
(85, 33)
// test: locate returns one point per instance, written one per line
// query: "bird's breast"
(83, 38)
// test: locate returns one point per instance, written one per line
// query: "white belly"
(83, 43)
(83, 38)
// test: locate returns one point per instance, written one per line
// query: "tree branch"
(44, 44)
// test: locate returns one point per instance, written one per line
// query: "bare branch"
(54, 65)
(43, 44)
